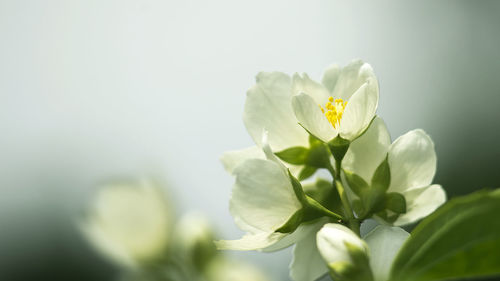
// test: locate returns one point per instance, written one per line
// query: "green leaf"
(382, 177)
(395, 202)
(460, 240)
(306, 172)
(294, 155)
(338, 146)
(356, 183)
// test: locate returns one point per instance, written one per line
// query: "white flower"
(129, 222)
(277, 103)
(338, 245)
(412, 163)
(262, 201)
(344, 105)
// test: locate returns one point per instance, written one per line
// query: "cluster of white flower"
(300, 126)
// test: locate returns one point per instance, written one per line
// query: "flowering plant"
(301, 126)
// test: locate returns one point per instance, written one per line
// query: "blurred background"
(97, 90)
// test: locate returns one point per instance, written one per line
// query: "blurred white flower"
(194, 238)
(412, 163)
(129, 222)
(222, 269)
(344, 104)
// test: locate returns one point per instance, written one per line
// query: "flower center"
(334, 111)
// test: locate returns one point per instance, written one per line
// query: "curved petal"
(384, 243)
(421, 202)
(368, 151)
(250, 242)
(351, 77)
(303, 231)
(307, 263)
(359, 110)
(330, 77)
(310, 116)
(304, 84)
(330, 242)
(262, 197)
(268, 107)
(231, 159)
(412, 160)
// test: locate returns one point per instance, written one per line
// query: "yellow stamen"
(334, 111)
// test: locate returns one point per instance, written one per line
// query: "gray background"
(96, 90)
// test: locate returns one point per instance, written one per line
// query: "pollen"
(334, 109)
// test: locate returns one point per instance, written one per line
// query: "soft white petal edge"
(421, 202)
(231, 159)
(330, 77)
(412, 160)
(307, 263)
(267, 106)
(351, 77)
(250, 242)
(309, 115)
(367, 152)
(384, 243)
(304, 230)
(305, 85)
(263, 198)
(359, 110)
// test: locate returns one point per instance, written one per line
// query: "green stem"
(353, 222)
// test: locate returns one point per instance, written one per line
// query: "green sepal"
(395, 202)
(297, 189)
(323, 192)
(292, 223)
(356, 183)
(390, 218)
(374, 200)
(382, 177)
(358, 269)
(358, 207)
(294, 155)
(306, 172)
(338, 147)
(318, 156)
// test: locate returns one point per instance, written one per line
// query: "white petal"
(412, 160)
(250, 242)
(307, 263)
(330, 242)
(421, 202)
(304, 230)
(330, 77)
(268, 107)
(351, 78)
(311, 88)
(360, 110)
(263, 196)
(384, 243)
(231, 159)
(309, 114)
(368, 151)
